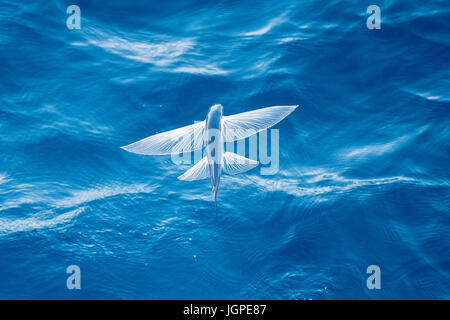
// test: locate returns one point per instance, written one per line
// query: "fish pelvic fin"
(234, 163)
(198, 172)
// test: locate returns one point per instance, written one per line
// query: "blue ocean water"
(364, 162)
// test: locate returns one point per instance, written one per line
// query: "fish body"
(214, 145)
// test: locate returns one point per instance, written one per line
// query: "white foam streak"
(269, 26)
(382, 148)
(336, 184)
(8, 226)
(85, 196)
(159, 54)
(28, 195)
(3, 178)
(167, 54)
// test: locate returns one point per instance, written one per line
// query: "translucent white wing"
(243, 125)
(198, 172)
(184, 139)
(234, 163)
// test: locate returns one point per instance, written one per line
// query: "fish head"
(216, 111)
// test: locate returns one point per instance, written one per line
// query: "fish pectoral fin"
(184, 139)
(198, 172)
(242, 125)
(234, 163)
